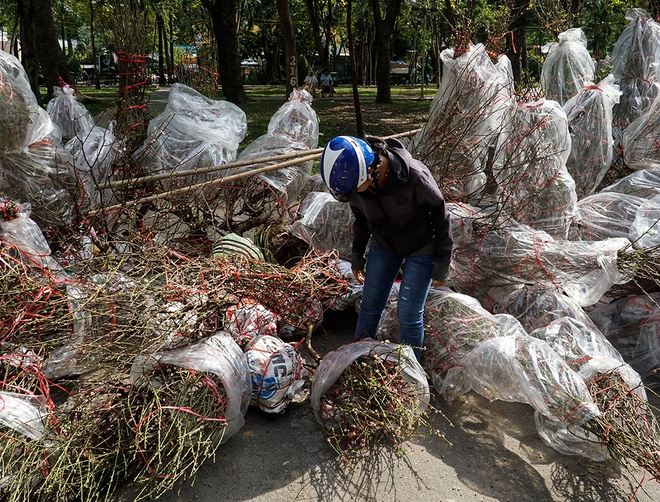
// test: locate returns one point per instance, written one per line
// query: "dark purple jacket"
(406, 216)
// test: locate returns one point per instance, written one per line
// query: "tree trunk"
(516, 45)
(40, 48)
(223, 18)
(161, 62)
(354, 78)
(384, 27)
(290, 55)
(314, 19)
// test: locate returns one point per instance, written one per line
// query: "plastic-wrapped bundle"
(324, 223)
(192, 132)
(19, 229)
(354, 287)
(73, 119)
(523, 369)
(506, 68)
(93, 157)
(583, 270)
(537, 306)
(22, 120)
(41, 174)
(297, 119)
(249, 320)
(589, 115)
(463, 121)
(632, 325)
(645, 228)
(636, 58)
(644, 184)
(603, 215)
(641, 138)
(534, 186)
(568, 66)
(277, 374)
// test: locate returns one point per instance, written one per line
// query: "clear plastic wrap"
(220, 355)
(192, 132)
(464, 119)
(324, 223)
(277, 374)
(641, 138)
(604, 215)
(635, 63)
(645, 228)
(632, 325)
(73, 119)
(589, 114)
(297, 118)
(24, 414)
(22, 120)
(536, 306)
(520, 368)
(568, 66)
(355, 288)
(533, 184)
(581, 269)
(644, 184)
(334, 364)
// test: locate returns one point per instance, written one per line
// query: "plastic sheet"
(324, 223)
(249, 320)
(604, 215)
(632, 325)
(568, 66)
(277, 374)
(73, 119)
(583, 270)
(192, 132)
(589, 114)
(464, 120)
(533, 184)
(297, 118)
(354, 292)
(641, 138)
(334, 364)
(635, 63)
(644, 184)
(220, 355)
(645, 228)
(24, 414)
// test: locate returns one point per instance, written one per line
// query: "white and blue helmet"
(345, 163)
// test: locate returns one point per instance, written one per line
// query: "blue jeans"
(381, 271)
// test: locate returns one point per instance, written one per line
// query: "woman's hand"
(359, 276)
(438, 284)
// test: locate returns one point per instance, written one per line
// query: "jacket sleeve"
(361, 236)
(429, 194)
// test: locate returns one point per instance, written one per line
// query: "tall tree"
(41, 51)
(384, 28)
(290, 55)
(223, 18)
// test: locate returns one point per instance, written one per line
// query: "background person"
(327, 84)
(311, 82)
(397, 203)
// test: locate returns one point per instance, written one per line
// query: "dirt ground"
(493, 453)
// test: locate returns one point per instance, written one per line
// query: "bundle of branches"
(369, 394)
(296, 295)
(176, 419)
(627, 424)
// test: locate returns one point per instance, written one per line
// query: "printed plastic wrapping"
(249, 320)
(640, 139)
(297, 118)
(26, 235)
(93, 156)
(464, 119)
(520, 368)
(536, 306)
(603, 215)
(567, 67)
(632, 325)
(635, 64)
(644, 184)
(324, 223)
(334, 364)
(24, 414)
(583, 270)
(533, 184)
(218, 354)
(22, 120)
(193, 132)
(73, 119)
(589, 114)
(277, 374)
